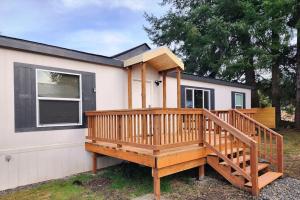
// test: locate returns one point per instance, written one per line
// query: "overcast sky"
(104, 27)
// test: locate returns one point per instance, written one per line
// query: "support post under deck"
(95, 163)
(156, 184)
(201, 172)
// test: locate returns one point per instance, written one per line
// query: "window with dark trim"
(48, 98)
(238, 100)
(196, 97)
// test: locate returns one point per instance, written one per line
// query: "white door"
(137, 94)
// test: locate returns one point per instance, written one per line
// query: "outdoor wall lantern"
(157, 82)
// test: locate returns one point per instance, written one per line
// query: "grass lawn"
(291, 147)
(127, 181)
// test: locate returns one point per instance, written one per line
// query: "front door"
(137, 94)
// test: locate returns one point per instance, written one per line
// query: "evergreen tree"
(228, 39)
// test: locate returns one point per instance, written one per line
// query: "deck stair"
(238, 144)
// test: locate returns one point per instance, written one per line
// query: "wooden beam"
(129, 87)
(178, 87)
(172, 169)
(164, 89)
(131, 156)
(143, 79)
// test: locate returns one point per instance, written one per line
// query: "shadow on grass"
(138, 180)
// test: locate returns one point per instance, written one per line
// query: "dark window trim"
(212, 95)
(34, 67)
(233, 93)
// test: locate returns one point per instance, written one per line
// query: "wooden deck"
(174, 140)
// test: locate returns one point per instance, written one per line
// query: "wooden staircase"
(246, 153)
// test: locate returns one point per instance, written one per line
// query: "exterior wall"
(151, 75)
(222, 93)
(44, 155)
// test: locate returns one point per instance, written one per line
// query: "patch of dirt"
(98, 184)
(292, 164)
(101, 185)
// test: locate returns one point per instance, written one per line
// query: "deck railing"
(270, 143)
(154, 128)
(224, 139)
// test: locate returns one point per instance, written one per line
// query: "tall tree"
(228, 39)
(276, 17)
(213, 37)
(295, 23)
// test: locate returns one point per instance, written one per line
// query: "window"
(197, 98)
(239, 101)
(59, 98)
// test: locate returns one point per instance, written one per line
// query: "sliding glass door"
(197, 98)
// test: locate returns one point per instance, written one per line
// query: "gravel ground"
(211, 188)
(283, 189)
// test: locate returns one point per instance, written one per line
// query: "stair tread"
(260, 167)
(265, 179)
(234, 150)
(234, 160)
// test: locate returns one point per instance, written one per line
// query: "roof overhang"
(161, 58)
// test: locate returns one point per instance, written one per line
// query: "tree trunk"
(276, 80)
(250, 80)
(297, 113)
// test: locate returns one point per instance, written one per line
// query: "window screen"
(57, 112)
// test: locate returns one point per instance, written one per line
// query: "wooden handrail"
(264, 136)
(236, 138)
(152, 128)
(257, 123)
(145, 111)
(267, 146)
(234, 131)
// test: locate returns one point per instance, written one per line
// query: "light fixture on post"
(157, 82)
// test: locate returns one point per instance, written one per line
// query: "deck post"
(129, 87)
(164, 89)
(156, 184)
(178, 87)
(95, 163)
(157, 132)
(143, 84)
(201, 172)
(119, 127)
(280, 155)
(254, 170)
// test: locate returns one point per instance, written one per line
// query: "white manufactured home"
(46, 91)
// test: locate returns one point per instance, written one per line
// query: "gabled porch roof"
(161, 58)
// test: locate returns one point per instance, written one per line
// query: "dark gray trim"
(45, 49)
(209, 80)
(233, 99)
(212, 95)
(132, 52)
(25, 96)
